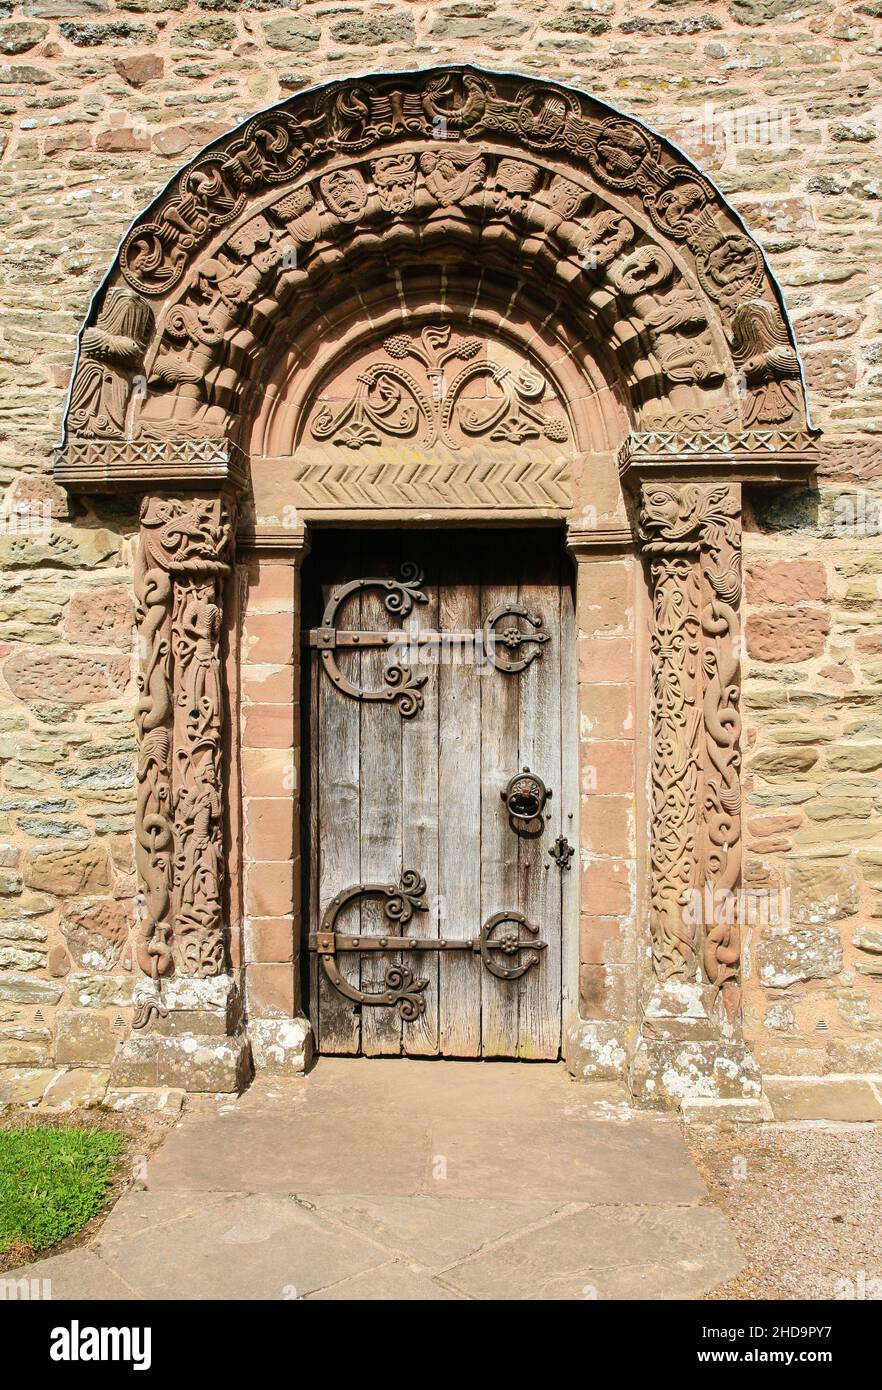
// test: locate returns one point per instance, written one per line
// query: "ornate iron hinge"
(403, 688)
(402, 989)
(512, 637)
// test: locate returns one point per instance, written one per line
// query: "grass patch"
(52, 1181)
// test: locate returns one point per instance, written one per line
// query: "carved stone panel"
(436, 388)
(183, 557)
(691, 538)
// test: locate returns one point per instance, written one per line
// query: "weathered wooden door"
(440, 668)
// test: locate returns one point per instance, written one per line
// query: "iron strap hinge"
(326, 943)
(501, 641)
(403, 990)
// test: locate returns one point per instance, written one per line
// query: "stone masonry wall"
(100, 102)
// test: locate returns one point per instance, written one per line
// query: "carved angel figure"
(111, 353)
(768, 363)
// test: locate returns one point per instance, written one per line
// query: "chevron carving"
(530, 484)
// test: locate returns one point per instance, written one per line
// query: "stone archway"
(630, 334)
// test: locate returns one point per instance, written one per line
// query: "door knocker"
(525, 798)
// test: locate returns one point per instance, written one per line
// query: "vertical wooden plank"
(419, 800)
(540, 749)
(339, 814)
(500, 696)
(381, 810)
(459, 804)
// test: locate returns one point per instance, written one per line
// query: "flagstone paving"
(406, 1180)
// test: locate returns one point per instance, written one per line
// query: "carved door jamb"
(182, 561)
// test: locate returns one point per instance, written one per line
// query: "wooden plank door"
(408, 833)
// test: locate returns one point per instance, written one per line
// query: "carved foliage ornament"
(182, 560)
(691, 535)
(393, 401)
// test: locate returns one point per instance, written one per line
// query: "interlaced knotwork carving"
(182, 560)
(691, 535)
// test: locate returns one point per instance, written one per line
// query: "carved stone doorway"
(429, 299)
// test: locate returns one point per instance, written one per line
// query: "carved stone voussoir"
(565, 193)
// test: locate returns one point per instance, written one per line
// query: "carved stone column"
(690, 1045)
(182, 563)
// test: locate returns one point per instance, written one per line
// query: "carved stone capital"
(187, 535)
(679, 516)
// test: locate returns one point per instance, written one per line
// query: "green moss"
(52, 1181)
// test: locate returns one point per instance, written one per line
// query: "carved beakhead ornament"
(345, 194)
(395, 179)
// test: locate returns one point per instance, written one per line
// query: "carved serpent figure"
(181, 558)
(722, 801)
(690, 533)
(154, 837)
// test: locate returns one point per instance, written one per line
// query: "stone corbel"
(182, 562)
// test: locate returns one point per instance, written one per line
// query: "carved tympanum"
(691, 536)
(439, 386)
(183, 556)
